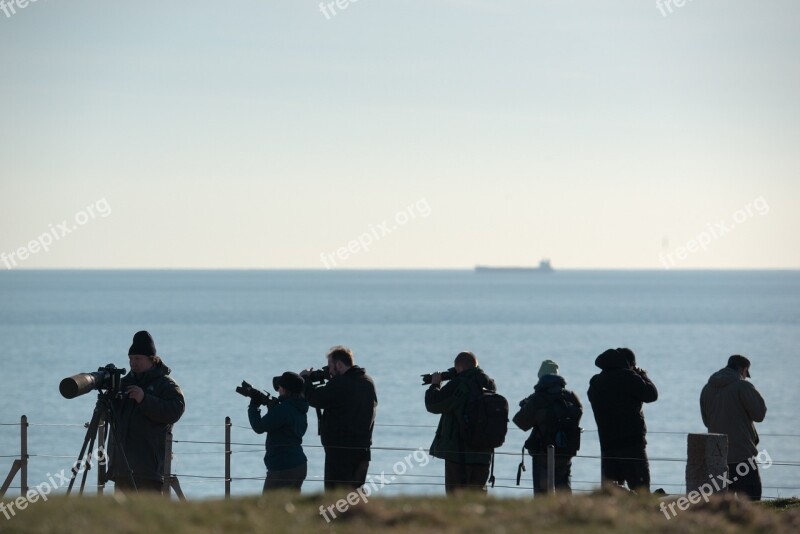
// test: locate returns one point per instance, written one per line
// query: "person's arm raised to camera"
(444, 399)
(333, 393)
(275, 418)
(165, 408)
(642, 387)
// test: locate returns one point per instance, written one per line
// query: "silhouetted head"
(740, 364)
(464, 361)
(340, 360)
(629, 356)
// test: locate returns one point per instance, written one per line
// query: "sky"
(400, 134)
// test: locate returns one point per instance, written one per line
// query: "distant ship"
(544, 267)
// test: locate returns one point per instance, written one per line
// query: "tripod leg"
(102, 463)
(100, 430)
(88, 441)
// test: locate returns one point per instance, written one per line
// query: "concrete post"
(707, 458)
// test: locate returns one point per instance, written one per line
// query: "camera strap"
(521, 466)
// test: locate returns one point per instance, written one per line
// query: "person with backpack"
(554, 414)
(473, 422)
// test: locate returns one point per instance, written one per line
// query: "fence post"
(551, 469)
(168, 465)
(23, 455)
(707, 457)
(101, 458)
(227, 457)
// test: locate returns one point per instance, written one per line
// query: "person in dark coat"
(285, 424)
(348, 402)
(730, 405)
(617, 394)
(533, 414)
(151, 403)
(464, 467)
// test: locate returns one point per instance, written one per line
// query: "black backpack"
(562, 429)
(485, 420)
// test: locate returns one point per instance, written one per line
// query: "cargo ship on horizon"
(544, 267)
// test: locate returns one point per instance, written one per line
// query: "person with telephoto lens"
(348, 402)
(149, 404)
(285, 424)
(466, 466)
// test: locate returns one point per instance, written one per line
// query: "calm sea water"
(217, 328)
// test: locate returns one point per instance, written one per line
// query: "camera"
(261, 398)
(106, 378)
(446, 375)
(319, 375)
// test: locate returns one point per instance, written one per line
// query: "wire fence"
(232, 448)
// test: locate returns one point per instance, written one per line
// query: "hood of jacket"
(356, 371)
(612, 359)
(550, 384)
(724, 378)
(477, 376)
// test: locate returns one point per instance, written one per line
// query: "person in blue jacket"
(285, 424)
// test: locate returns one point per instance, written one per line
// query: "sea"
(218, 328)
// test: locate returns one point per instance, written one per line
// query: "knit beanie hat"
(549, 367)
(143, 344)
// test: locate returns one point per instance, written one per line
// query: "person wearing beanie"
(548, 367)
(553, 413)
(285, 424)
(149, 404)
(617, 394)
(730, 405)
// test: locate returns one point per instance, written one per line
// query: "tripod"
(102, 418)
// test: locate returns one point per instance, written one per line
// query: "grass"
(604, 511)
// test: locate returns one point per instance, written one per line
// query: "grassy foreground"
(600, 512)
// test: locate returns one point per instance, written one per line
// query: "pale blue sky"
(260, 134)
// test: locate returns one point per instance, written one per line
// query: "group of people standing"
(346, 404)
(729, 405)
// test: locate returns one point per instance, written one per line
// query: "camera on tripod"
(261, 398)
(446, 375)
(106, 378)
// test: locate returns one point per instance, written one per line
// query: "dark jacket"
(450, 401)
(729, 404)
(285, 424)
(141, 429)
(349, 403)
(617, 394)
(533, 410)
